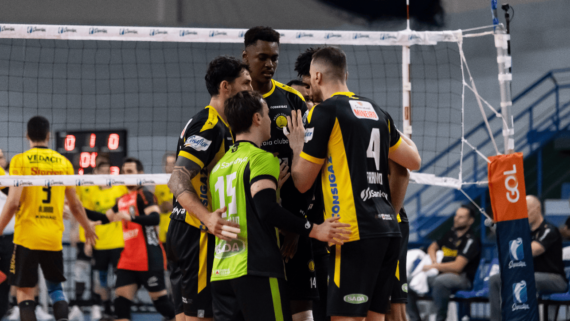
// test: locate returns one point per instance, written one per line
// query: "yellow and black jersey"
(100, 200)
(352, 137)
(281, 100)
(39, 220)
(2, 172)
(163, 194)
(204, 140)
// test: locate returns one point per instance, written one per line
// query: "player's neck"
(333, 88)
(218, 103)
(262, 87)
(536, 224)
(252, 136)
(38, 144)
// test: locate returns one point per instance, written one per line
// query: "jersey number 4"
(373, 150)
(231, 192)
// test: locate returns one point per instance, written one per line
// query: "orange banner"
(506, 187)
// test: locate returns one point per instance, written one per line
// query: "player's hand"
(284, 174)
(289, 247)
(296, 131)
(121, 215)
(166, 207)
(331, 231)
(67, 215)
(90, 236)
(221, 228)
(88, 249)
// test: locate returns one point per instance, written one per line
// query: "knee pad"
(103, 275)
(123, 308)
(55, 291)
(165, 307)
(81, 271)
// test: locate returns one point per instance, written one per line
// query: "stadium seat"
(480, 283)
(557, 299)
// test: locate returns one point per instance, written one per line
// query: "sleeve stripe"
(395, 146)
(191, 157)
(265, 176)
(312, 159)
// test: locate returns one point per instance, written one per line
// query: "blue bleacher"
(481, 281)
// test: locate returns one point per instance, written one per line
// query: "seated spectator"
(461, 255)
(547, 257)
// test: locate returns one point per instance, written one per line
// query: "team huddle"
(287, 203)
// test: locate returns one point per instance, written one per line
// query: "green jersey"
(256, 250)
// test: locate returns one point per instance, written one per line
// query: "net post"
(406, 83)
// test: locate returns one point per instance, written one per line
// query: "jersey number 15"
(231, 192)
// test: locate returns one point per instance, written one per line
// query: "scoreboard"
(81, 147)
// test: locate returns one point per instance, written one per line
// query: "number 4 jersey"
(352, 136)
(256, 251)
(39, 220)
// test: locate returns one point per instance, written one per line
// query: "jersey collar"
(218, 115)
(271, 91)
(43, 147)
(343, 93)
(246, 141)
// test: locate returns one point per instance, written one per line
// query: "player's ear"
(244, 57)
(346, 76)
(224, 85)
(48, 136)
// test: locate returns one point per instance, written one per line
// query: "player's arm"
(544, 241)
(456, 266)
(264, 196)
(11, 206)
(78, 212)
(432, 249)
(405, 153)
(151, 211)
(398, 180)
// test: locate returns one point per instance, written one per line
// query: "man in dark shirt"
(547, 258)
(461, 255)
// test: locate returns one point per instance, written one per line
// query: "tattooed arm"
(180, 185)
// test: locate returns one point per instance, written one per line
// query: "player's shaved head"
(533, 204)
(38, 129)
(331, 62)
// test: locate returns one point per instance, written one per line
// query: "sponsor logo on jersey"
(405, 287)
(125, 31)
(5, 29)
(236, 161)
(276, 142)
(360, 35)
(62, 30)
(332, 35)
(184, 130)
(385, 217)
(374, 178)
(198, 143)
(363, 109)
(226, 249)
(152, 281)
(184, 33)
(307, 225)
(280, 120)
(37, 171)
(333, 188)
(312, 266)
(156, 32)
(516, 253)
(309, 134)
(447, 252)
(303, 35)
(151, 237)
(93, 31)
(31, 29)
(201, 313)
(222, 272)
(278, 106)
(178, 211)
(214, 33)
(34, 159)
(520, 296)
(368, 193)
(355, 298)
(130, 234)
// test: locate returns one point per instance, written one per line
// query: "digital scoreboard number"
(83, 146)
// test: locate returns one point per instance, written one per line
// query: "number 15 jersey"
(352, 137)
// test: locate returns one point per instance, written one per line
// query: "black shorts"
(104, 258)
(25, 262)
(251, 298)
(153, 281)
(321, 268)
(400, 288)
(190, 254)
(361, 274)
(300, 271)
(80, 251)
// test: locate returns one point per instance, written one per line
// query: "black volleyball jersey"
(352, 136)
(281, 100)
(204, 140)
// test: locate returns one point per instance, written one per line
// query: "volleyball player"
(164, 197)
(351, 139)
(39, 222)
(261, 54)
(190, 239)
